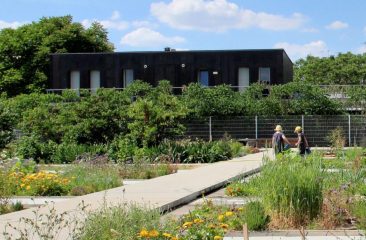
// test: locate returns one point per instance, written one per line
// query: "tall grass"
(86, 178)
(122, 222)
(291, 190)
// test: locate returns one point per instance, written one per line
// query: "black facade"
(179, 67)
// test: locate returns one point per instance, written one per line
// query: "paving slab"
(295, 235)
(164, 193)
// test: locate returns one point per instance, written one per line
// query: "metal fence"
(260, 128)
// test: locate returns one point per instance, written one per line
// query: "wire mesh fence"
(260, 128)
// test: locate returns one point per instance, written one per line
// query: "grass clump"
(292, 191)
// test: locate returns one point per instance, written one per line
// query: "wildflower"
(187, 224)
(144, 233)
(28, 187)
(174, 238)
(229, 214)
(217, 238)
(224, 226)
(168, 235)
(153, 233)
(240, 209)
(220, 218)
(22, 185)
(211, 226)
(197, 220)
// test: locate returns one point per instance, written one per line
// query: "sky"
(301, 27)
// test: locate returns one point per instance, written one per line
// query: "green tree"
(343, 69)
(156, 116)
(24, 52)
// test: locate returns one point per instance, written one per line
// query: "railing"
(260, 128)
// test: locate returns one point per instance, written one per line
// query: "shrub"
(68, 152)
(33, 147)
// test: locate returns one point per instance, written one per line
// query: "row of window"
(203, 77)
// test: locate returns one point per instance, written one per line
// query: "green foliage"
(358, 210)
(24, 166)
(293, 189)
(156, 117)
(33, 147)
(86, 178)
(6, 125)
(343, 69)
(255, 216)
(120, 222)
(24, 52)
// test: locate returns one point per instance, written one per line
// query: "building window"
(265, 75)
(94, 80)
(203, 78)
(127, 77)
(75, 80)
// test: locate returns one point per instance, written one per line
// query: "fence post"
(349, 130)
(302, 123)
(210, 128)
(256, 127)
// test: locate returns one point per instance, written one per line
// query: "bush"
(33, 147)
(68, 152)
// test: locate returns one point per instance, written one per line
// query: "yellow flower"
(22, 185)
(224, 226)
(144, 233)
(187, 224)
(229, 214)
(197, 220)
(217, 238)
(28, 187)
(240, 209)
(220, 218)
(211, 226)
(168, 235)
(174, 238)
(153, 233)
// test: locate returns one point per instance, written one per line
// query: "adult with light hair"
(278, 140)
(302, 142)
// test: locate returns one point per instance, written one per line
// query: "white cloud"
(295, 51)
(310, 30)
(145, 37)
(147, 24)
(115, 15)
(337, 25)
(362, 49)
(219, 15)
(13, 25)
(113, 23)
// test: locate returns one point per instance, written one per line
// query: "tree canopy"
(25, 51)
(343, 69)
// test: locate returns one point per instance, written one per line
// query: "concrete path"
(295, 235)
(165, 193)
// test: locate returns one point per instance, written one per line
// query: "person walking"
(278, 140)
(302, 142)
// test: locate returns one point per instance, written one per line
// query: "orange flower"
(153, 233)
(187, 224)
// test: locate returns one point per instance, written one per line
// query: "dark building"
(210, 68)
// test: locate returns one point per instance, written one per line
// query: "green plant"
(121, 222)
(336, 139)
(358, 210)
(255, 216)
(292, 190)
(86, 178)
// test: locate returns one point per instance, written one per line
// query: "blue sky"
(302, 27)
